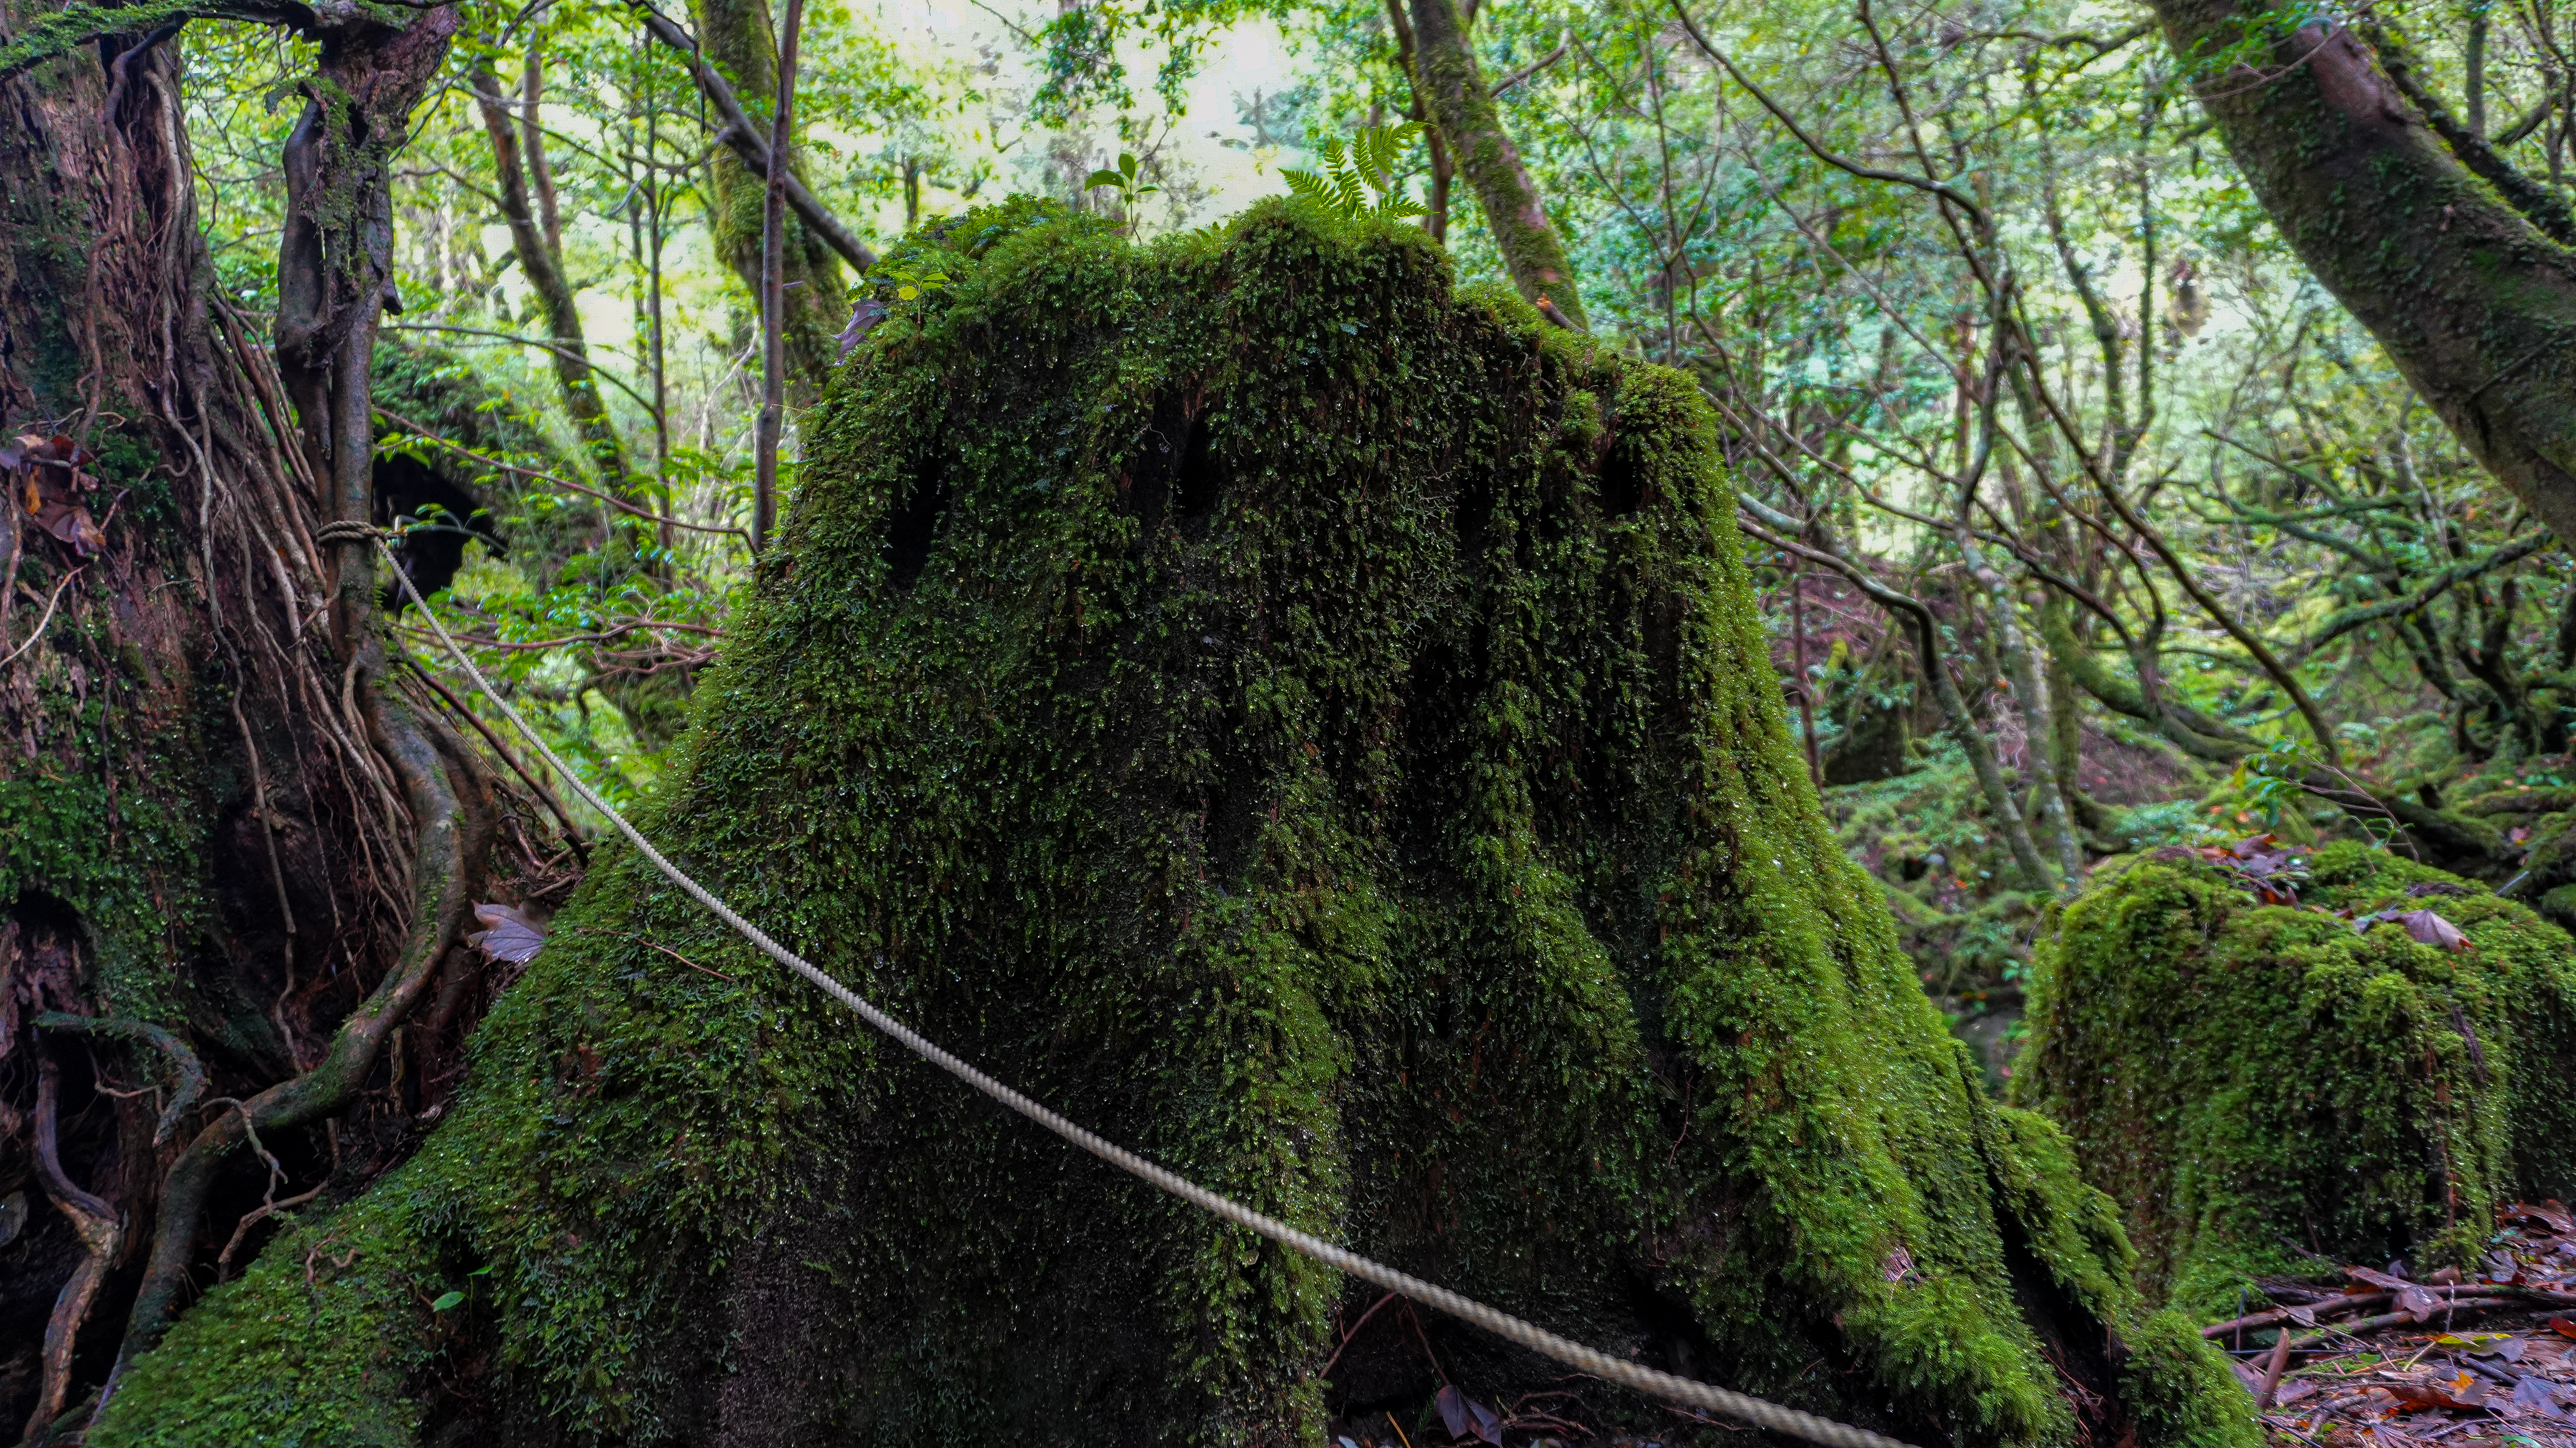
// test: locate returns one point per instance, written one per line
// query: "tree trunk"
(233, 852)
(2459, 265)
(536, 237)
(1452, 91)
(739, 38)
(1350, 771)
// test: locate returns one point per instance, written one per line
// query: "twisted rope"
(1771, 1417)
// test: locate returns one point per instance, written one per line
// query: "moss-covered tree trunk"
(539, 248)
(1312, 727)
(1451, 89)
(2457, 263)
(739, 37)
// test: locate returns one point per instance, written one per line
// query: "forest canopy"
(2135, 443)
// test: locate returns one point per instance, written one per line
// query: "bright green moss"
(2253, 1081)
(1311, 726)
(315, 1351)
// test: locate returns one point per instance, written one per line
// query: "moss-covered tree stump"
(1312, 727)
(2257, 1082)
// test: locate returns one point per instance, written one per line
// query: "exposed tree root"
(101, 1233)
(454, 836)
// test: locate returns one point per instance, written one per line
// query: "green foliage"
(2258, 1080)
(911, 276)
(1148, 702)
(1353, 174)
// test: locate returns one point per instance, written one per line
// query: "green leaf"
(1104, 178)
(446, 1301)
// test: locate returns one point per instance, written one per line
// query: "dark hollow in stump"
(1310, 725)
(2262, 1086)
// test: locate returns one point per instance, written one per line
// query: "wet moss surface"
(2253, 1082)
(1308, 724)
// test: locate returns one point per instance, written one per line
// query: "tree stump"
(2263, 1085)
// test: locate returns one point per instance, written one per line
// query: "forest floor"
(2381, 1361)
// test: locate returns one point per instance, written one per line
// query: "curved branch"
(555, 349)
(2344, 621)
(1564, 38)
(101, 1233)
(76, 25)
(2193, 734)
(1839, 162)
(192, 1074)
(454, 834)
(425, 435)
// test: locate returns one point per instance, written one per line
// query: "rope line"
(1757, 1412)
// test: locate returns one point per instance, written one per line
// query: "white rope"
(1741, 1407)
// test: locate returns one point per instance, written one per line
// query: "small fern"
(1353, 173)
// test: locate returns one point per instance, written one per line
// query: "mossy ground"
(1309, 725)
(2251, 1082)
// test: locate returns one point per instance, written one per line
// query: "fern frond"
(1353, 200)
(1308, 187)
(1357, 171)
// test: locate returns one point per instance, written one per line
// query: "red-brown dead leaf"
(72, 524)
(2463, 1391)
(2431, 929)
(2552, 1214)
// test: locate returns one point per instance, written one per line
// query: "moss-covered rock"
(2252, 1082)
(1309, 725)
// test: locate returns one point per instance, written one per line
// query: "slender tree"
(1452, 91)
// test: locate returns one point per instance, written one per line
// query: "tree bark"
(535, 237)
(222, 834)
(739, 37)
(2417, 235)
(1452, 91)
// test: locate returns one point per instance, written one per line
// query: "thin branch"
(2345, 621)
(538, 342)
(1839, 162)
(613, 501)
(744, 138)
(46, 618)
(1564, 38)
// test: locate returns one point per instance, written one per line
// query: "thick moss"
(1311, 726)
(2254, 1081)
